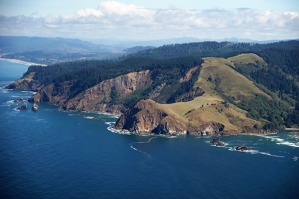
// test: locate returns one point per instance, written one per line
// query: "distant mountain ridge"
(14, 44)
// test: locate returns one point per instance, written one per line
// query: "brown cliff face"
(147, 117)
(189, 74)
(150, 117)
(101, 97)
(54, 94)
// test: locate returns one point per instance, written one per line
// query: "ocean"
(53, 153)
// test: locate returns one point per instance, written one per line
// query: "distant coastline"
(292, 129)
(21, 62)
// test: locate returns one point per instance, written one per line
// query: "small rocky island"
(242, 148)
(217, 142)
(35, 107)
(23, 107)
(18, 100)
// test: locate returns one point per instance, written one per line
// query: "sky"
(151, 19)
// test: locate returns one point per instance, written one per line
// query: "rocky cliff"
(151, 117)
(99, 98)
(201, 100)
(102, 96)
(204, 109)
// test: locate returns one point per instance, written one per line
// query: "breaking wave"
(281, 141)
(140, 151)
(89, 117)
(251, 151)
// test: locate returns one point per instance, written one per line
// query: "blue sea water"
(59, 154)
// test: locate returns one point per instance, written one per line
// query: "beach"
(21, 62)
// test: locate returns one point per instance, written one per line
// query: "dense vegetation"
(170, 62)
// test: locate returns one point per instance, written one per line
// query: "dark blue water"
(57, 154)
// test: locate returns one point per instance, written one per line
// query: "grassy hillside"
(224, 89)
(217, 76)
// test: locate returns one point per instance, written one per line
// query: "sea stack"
(35, 107)
(217, 142)
(242, 148)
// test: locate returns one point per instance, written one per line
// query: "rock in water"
(242, 148)
(23, 107)
(217, 142)
(18, 100)
(35, 107)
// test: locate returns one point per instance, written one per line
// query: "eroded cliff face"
(57, 94)
(99, 98)
(149, 117)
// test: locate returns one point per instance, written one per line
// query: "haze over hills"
(46, 50)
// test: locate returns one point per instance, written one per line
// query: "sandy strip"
(21, 62)
(292, 129)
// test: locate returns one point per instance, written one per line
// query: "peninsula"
(205, 88)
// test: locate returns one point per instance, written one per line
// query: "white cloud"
(128, 21)
(88, 12)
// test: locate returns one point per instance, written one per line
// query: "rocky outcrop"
(23, 107)
(144, 117)
(208, 128)
(57, 94)
(195, 92)
(35, 107)
(217, 142)
(103, 96)
(148, 117)
(189, 74)
(25, 83)
(242, 148)
(18, 100)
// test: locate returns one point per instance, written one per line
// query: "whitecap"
(108, 114)
(251, 151)
(89, 117)
(289, 144)
(225, 144)
(281, 141)
(295, 158)
(9, 102)
(264, 153)
(296, 137)
(114, 130)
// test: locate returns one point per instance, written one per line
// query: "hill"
(196, 88)
(45, 50)
(14, 44)
(212, 107)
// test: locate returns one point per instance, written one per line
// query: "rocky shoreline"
(147, 116)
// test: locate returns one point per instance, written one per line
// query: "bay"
(60, 154)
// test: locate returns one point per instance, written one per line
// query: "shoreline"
(21, 62)
(291, 129)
